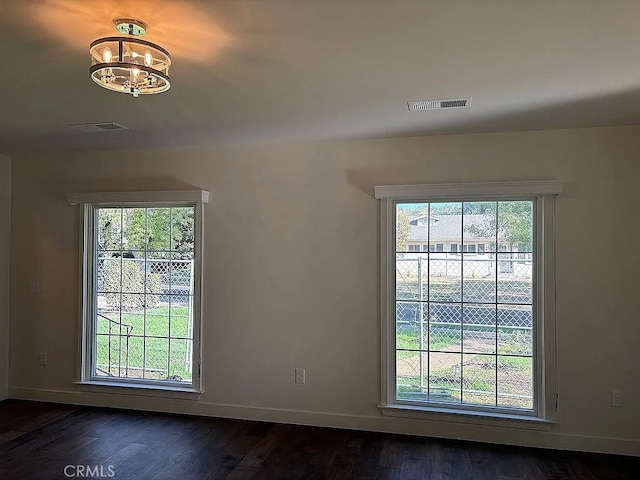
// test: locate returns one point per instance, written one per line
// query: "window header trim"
(168, 196)
(462, 190)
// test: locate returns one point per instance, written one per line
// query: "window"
(142, 275)
(439, 247)
(481, 247)
(454, 248)
(471, 334)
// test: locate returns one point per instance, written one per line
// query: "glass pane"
(180, 304)
(407, 312)
(134, 231)
(515, 335)
(445, 283)
(479, 224)
(445, 224)
(109, 224)
(445, 326)
(132, 276)
(515, 226)
(103, 360)
(479, 328)
(479, 379)
(159, 229)
(182, 231)
(111, 354)
(180, 278)
(412, 226)
(126, 323)
(180, 363)
(157, 358)
(157, 325)
(136, 355)
(515, 323)
(479, 279)
(102, 325)
(515, 283)
(411, 276)
(515, 382)
(408, 379)
(108, 275)
(407, 331)
(445, 375)
(181, 325)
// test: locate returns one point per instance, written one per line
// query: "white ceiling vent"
(438, 104)
(98, 127)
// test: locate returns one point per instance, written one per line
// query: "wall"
(291, 274)
(5, 221)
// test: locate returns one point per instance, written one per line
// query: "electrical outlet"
(617, 398)
(43, 360)
(300, 375)
(34, 286)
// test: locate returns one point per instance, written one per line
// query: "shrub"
(131, 282)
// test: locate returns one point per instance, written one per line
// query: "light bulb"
(148, 58)
(106, 55)
(135, 71)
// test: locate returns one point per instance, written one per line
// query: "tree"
(155, 229)
(468, 208)
(514, 225)
(109, 229)
(402, 230)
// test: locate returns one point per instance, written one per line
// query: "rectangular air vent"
(438, 104)
(98, 127)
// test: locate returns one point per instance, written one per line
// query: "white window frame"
(545, 400)
(88, 203)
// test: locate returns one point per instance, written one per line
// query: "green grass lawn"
(409, 338)
(478, 374)
(161, 357)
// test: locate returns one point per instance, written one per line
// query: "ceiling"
(252, 71)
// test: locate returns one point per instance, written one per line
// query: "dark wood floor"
(37, 441)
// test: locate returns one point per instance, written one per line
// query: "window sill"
(469, 417)
(140, 390)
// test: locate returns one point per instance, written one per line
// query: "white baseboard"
(498, 435)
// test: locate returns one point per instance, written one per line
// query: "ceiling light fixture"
(129, 64)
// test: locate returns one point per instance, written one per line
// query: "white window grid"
(545, 378)
(468, 250)
(146, 260)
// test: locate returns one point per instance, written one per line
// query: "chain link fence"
(144, 317)
(464, 328)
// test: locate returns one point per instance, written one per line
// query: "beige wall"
(291, 272)
(5, 220)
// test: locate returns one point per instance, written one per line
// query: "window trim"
(88, 203)
(544, 348)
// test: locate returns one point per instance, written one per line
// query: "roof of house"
(445, 227)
